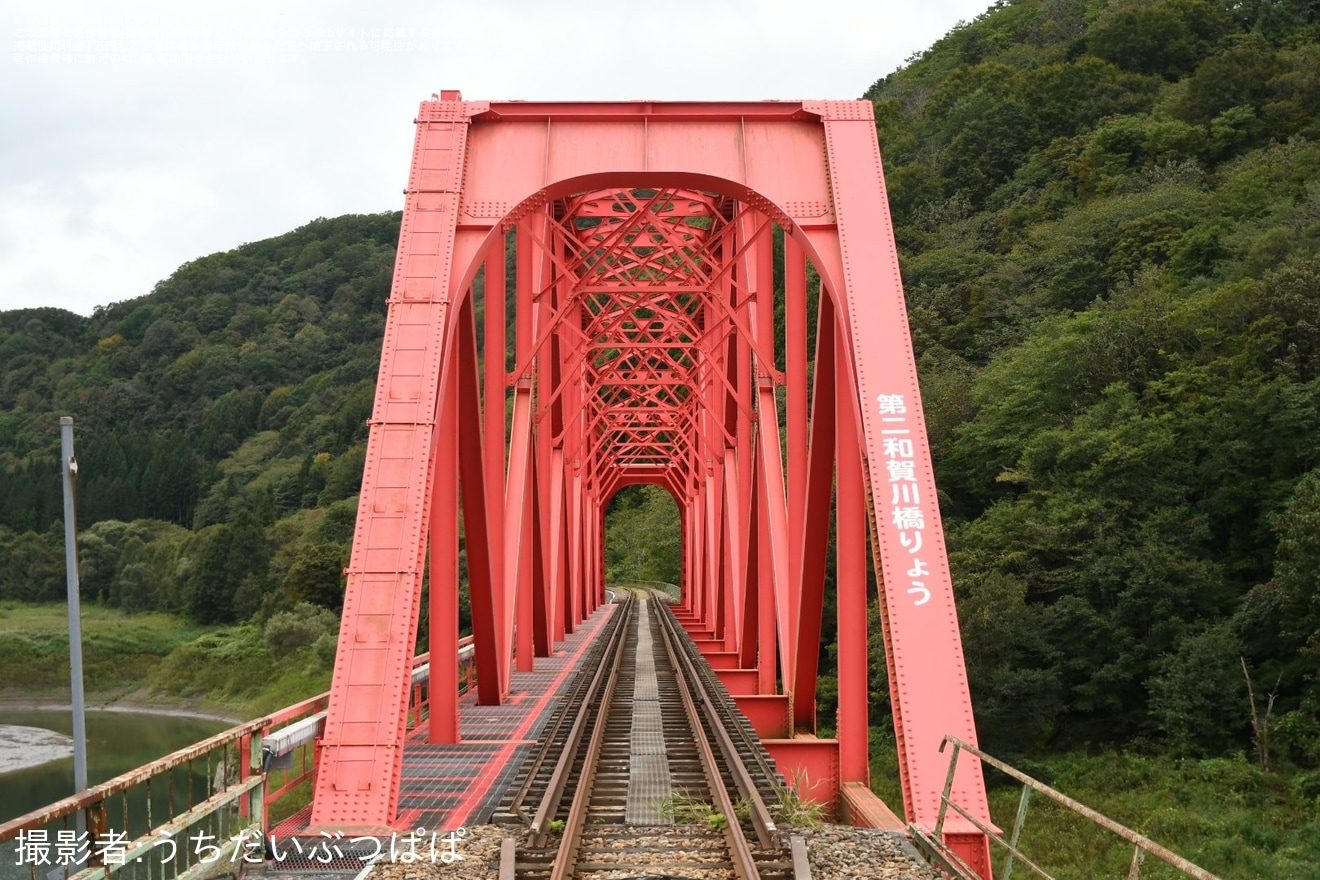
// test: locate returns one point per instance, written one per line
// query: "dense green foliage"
(642, 537)
(119, 649)
(221, 428)
(245, 669)
(1109, 221)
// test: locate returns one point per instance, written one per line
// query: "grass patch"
(683, 809)
(1221, 813)
(234, 665)
(199, 667)
(792, 809)
(120, 650)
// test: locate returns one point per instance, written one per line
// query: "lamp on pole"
(69, 467)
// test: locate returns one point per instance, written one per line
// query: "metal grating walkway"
(446, 786)
(648, 764)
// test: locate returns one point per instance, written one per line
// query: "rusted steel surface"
(99, 793)
(138, 850)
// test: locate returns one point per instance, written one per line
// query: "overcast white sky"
(140, 135)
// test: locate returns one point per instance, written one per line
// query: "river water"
(116, 742)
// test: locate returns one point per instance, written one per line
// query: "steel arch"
(642, 238)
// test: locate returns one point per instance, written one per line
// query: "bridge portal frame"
(533, 490)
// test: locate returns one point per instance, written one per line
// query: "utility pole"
(69, 467)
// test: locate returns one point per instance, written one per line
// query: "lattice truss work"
(651, 247)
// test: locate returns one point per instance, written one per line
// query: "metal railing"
(188, 812)
(211, 795)
(674, 591)
(1141, 845)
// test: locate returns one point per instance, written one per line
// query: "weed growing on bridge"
(742, 809)
(793, 809)
(683, 809)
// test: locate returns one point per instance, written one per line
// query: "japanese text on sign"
(905, 503)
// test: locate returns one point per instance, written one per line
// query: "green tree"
(1198, 694)
(1161, 37)
(317, 576)
(210, 597)
(642, 536)
(31, 570)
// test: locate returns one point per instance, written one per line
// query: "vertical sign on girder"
(928, 678)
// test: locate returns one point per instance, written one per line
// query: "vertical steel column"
(921, 622)
(755, 649)
(541, 603)
(443, 724)
(484, 591)
(713, 496)
(814, 537)
(494, 454)
(556, 547)
(795, 368)
(577, 576)
(751, 653)
(731, 548)
(851, 581)
(518, 497)
(598, 554)
(695, 529)
(543, 374)
(517, 510)
(549, 473)
(361, 752)
(767, 612)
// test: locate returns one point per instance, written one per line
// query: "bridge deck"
(445, 786)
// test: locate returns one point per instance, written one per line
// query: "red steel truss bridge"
(644, 249)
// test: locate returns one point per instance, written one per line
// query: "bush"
(291, 631)
(1296, 736)
(325, 648)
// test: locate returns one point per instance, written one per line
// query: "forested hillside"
(221, 428)
(1108, 215)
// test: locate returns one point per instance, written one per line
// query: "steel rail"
(602, 680)
(716, 692)
(766, 830)
(582, 693)
(574, 823)
(744, 864)
(716, 689)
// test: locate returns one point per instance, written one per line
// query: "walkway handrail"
(242, 756)
(1141, 844)
(663, 586)
(98, 793)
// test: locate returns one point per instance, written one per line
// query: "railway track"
(639, 776)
